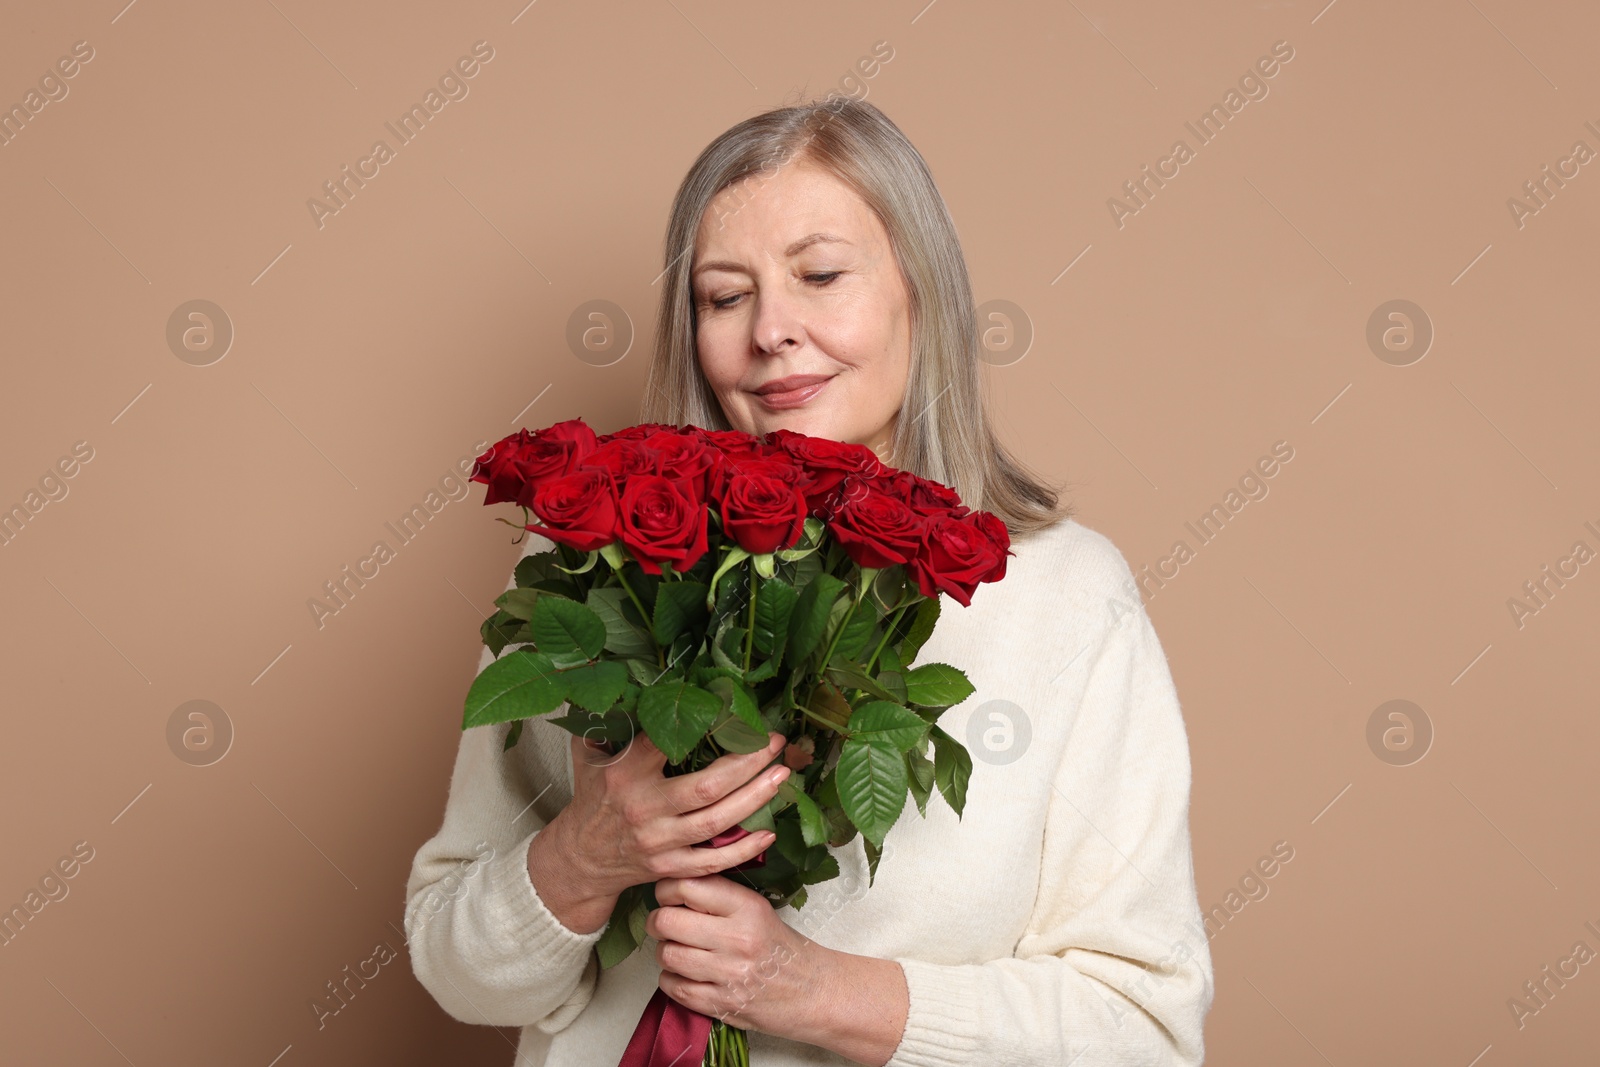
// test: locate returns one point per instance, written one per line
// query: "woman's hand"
(628, 824)
(724, 952)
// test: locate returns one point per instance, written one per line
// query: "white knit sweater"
(1056, 922)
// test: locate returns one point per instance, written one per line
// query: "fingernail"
(778, 775)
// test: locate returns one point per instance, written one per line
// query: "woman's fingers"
(700, 862)
(696, 862)
(698, 789)
(707, 822)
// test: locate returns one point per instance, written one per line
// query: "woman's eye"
(818, 277)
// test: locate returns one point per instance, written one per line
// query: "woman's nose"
(777, 321)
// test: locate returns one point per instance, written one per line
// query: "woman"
(814, 282)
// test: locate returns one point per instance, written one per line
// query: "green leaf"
(919, 769)
(889, 587)
(810, 616)
(738, 727)
(500, 630)
(643, 671)
(922, 620)
(636, 918)
(857, 630)
(841, 831)
(889, 660)
(775, 601)
(615, 727)
(680, 606)
(952, 768)
(874, 854)
(828, 703)
(539, 567)
(846, 675)
(838, 614)
(676, 715)
(595, 686)
(727, 647)
(736, 735)
(512, 734)
(893, 683)
(715, 594)
(888, 723)
(518, 603)
(520, 686)
(825, 871)
(937, 685)
(568, 632)
(872, 786)
(812, 824)
(739, 700)
(804, 570)
(760, 819)
(622, 636)
(618, 941)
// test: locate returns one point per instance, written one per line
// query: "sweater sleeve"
(481, 939)
(1114, 966)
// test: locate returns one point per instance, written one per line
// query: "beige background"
(370, 354)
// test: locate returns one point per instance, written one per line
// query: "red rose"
(927, 495)
(828, 463)
(684, 456)
(578, 509)
(502, 468)
(633, 433)
(622, 457)
(761, 512)
(956, 555)
(877, 530)
(663, 521)
(898, 484)
(517, 465)
(728, 442)
(997, 532)
(778, 465)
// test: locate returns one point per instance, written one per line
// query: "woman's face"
(794, 276)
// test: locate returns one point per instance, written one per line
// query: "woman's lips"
(791, 398)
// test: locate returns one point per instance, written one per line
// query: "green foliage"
(595, 686)
(707, 662)
(884, 722)
(937, 685)
(775, 604)
(520, 686)
(872, 785)
(952, 767)
(566, 631)
(810, 616)
(680, 606)
(676, 715)
(500, 630)
(922, 622)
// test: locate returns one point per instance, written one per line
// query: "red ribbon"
(669, 1034)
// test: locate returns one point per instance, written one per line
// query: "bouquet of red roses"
(750, 584)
